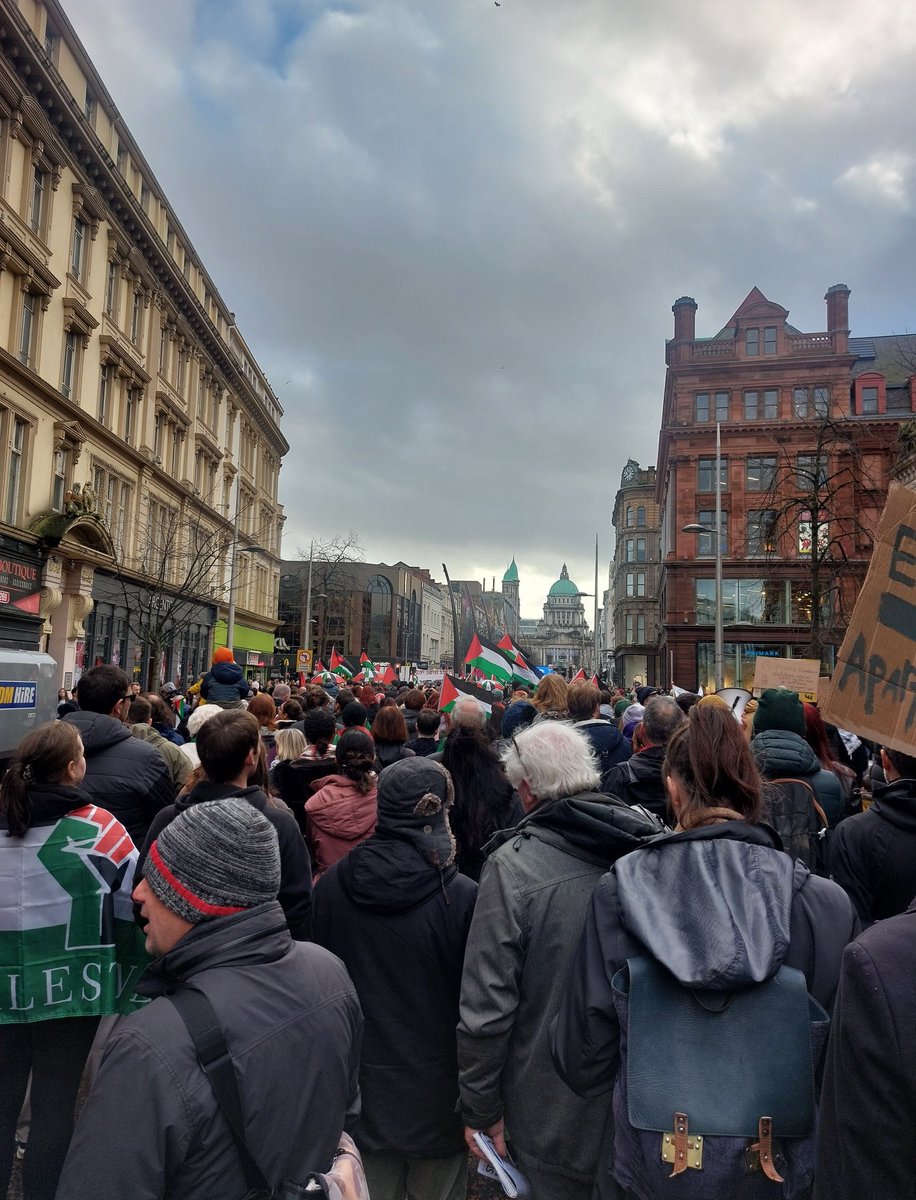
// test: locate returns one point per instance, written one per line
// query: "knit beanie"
(216, 858)
(223, 654)
(414, 796)
(778, 708)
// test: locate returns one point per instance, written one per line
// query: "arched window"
(379, 640)
(631, 516)
(641, 516)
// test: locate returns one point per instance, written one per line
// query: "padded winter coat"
(873, 854)
(338, 815)
(784, 755)
(151, 1128)
(224, 681)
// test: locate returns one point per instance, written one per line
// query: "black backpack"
(791, 806)
(715, 1096)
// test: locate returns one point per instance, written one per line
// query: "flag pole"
(451, 595)
(596, 604)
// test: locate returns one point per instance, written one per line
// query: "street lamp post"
(717, 534)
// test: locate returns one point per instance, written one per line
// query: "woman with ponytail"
(485, 800)
(66, 923)
(342, 810)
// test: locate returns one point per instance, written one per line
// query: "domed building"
(561, 638)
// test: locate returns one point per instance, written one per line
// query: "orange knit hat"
(223, 654)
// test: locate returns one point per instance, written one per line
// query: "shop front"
(253, 649)
(20, 595)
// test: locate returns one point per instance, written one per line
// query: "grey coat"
(151, 1128)
(534, 893)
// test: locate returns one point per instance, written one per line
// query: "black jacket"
(123, 774)
(608, 743)
(151, 1128)
(295, 866)
(873, 854)
(639, 781)
(866, 1149)
(293, 779)
(400, 930)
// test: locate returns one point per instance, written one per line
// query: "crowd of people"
(518, 919)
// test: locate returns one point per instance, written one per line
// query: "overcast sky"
(452, 230)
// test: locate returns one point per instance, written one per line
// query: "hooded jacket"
(295, 894)
(781, 754)
(224, 681)
(292, 1023)
(339, 815)
(123, 774)
(639, 781)
(608, 743)
(721, 907)
(873, 854)
(178, 763)
(534, 893)
(385, 894)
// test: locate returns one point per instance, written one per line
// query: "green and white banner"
(69, 945)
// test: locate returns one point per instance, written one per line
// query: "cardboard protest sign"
(798, 674)
(873, 689)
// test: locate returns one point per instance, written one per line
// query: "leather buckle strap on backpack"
(760, 1154)
(681, 1149)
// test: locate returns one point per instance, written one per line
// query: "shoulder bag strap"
(197, 1013)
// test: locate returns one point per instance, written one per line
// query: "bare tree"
(821, 493)
(333, 586)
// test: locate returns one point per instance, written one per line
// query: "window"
(752, 342)
(122, 157)
(869, 400)
(59, 480)
(750, 406)
(636, 583)
(761, 531)
(163, 349)
(771, 404)
(641, 516)
(769, 339)
(158, 434)
(175, 466)
(89, 107)
(79, 248)
(179, 374)
(706, 475)
(800, 402)
(69, 364)
(821, 401)
(631, 516)
(131, 411)
(811, 471)
(144, 197)
(111, 289)
(701, 406)
(50, 40)
(14, 476)
(105, 393)
(636, 628)
(721, 406)
(136, 318)
(706, 545)
(186, 267)
(28, 327)
(36, 212)
(761, 474)
(635, 549)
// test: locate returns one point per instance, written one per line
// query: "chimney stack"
(837, 298)
(685, 319)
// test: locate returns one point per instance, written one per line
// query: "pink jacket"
(339, 816)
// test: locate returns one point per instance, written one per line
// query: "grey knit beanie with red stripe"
(216, 858)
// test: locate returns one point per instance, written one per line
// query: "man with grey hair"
(534, 893)
(639, 779)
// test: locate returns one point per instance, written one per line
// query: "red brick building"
(809, 431)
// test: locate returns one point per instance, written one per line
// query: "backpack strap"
(814, 800)
(213, 1054)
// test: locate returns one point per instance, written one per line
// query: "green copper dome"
(511, 576)
(564, 586)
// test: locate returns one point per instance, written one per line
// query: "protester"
(342, 809)
(534, 892)
(550, 697)
(781, 752)
(412, 703)
(873, 854)
(123, 774)
(67, 934)
(389, 733)
(290, 744)
(140, 722)
(606, 740)
(401, 887)
(152, 1126)
(203, 712)
(224, 684)
(229, 748)
(865, 1144)
(263, 709)
(427, 740)
(716, 902)
(639, 780)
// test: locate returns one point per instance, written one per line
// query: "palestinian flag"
(320, 668)
(389, 675)
(338, 665)
(580, 674)
(73, 949)
(594, 680)
(453, 689)
(488, 659)
(522, 670)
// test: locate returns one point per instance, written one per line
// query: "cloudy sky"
(452, 230)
